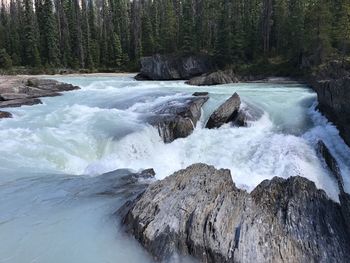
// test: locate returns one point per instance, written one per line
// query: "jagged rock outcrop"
(333, 166)
(214, 78)
(17, 91)
(200, 212)
(177, 119)
(333, 97)
(332, 85)
(173, 67)
(4, 114)
(227, 112)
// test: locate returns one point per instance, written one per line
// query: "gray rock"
(173, 67)
(17, 91)
(177, 119)
(19, 102)
(203, 93)
(200, 212)
(331, 163)
(214, 78)
(333, 166)
(332, 85)
(4, 114)
(227, 112)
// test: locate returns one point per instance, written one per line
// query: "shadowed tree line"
(114, 34)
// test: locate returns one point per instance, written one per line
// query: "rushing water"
(51, 156)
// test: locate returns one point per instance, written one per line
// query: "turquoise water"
(53, 154)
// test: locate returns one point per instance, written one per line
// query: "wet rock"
(173, 67)
(203, 93)
(177, 119)
(214, 78)
(331, 163)
(333, 166)
(333, 97)
(227, 112)
(200, 212)
(19, 102)
(4, 114)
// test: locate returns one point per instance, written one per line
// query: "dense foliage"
(114, 34)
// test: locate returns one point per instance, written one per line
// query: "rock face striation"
(177, 119)
(172, 67)
(19, 91)
(200, 212)
(214, 78)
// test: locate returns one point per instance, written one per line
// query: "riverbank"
(17, 91)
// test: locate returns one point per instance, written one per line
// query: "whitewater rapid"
(52, 154)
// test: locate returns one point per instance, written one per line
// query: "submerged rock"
(178, 119)
(227, 112)
(214, 78)
(200, 212)
(4, 114)
(173, 67)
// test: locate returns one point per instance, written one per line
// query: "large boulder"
(177, 119)
(173, 67)
(200, 212)
(227, 112)
(214, 78)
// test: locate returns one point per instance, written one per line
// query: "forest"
(113, 34)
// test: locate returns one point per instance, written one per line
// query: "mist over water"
(52, 157)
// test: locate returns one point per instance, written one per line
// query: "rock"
(214, 78)
(333, 97)
(200, 212)
(227, 112)
(333, 166)
(177, 119)
(331, 163)
(50, 84)
(16, 91)
(196, 94)
(19, 102)
(4, 114)
(173, 67)
(148, 173)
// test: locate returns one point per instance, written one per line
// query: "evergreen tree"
(30, 42)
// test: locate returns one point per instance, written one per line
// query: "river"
(52, 157)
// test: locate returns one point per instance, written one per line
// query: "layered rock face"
(332, 84)
(178, 118)
(200, 212)
(214, 78)
(334, 97)
(172, 67)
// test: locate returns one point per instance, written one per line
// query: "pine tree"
(31, 52)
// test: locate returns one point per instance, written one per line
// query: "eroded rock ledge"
(200, 212)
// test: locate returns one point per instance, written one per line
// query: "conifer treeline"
(101, 34)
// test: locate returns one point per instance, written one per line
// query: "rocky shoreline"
(16, 91)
